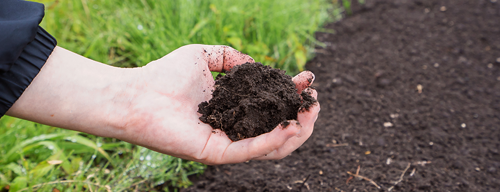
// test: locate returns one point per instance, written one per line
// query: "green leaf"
(89, 143)
(235, 42)
(347, 6)
(31, 141)
(18, 183)
(17, 169)
(41, 169)
(66, 165)
(214, 9)
(49, 144)
(257, 48)
(228, 31)
(3, 180)
(197, 27)
(76, 163)
(92, 47)
(301, 58)
(56, 150)
(77, 148)
(111, 146)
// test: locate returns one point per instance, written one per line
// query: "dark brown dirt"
(376, 116)
(252, 99)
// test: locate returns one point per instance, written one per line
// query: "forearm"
(77, 93)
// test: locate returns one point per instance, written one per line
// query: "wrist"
(119, 112)
(77, 93)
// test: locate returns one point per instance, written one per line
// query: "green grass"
(129, 33)
(40, 157)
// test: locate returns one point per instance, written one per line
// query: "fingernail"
(313, 78)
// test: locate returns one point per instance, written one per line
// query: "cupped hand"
(164, 117)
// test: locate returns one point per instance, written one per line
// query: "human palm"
(165, 116)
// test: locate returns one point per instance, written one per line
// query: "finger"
(250, 148)
(293, 143)
(312, 92)
(222, 58)
(303, 80)
(307, 120)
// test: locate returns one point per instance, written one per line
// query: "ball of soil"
(252, 99)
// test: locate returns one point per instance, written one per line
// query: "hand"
(154, 106)
(166, 110)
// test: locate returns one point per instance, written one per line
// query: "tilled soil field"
(410, 101)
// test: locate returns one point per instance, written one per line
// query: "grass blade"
(31, 141)
(89, 143)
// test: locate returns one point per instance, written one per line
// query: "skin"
(154, 106)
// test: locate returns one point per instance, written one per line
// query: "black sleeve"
(24, 48)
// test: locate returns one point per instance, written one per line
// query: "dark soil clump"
(252, 99)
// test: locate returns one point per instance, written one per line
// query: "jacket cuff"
(25, 68)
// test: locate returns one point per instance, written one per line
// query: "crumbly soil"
(410, 95)
(252, 99)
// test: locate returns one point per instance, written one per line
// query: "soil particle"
(252, 99)
(285, 124)
(307, 100)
